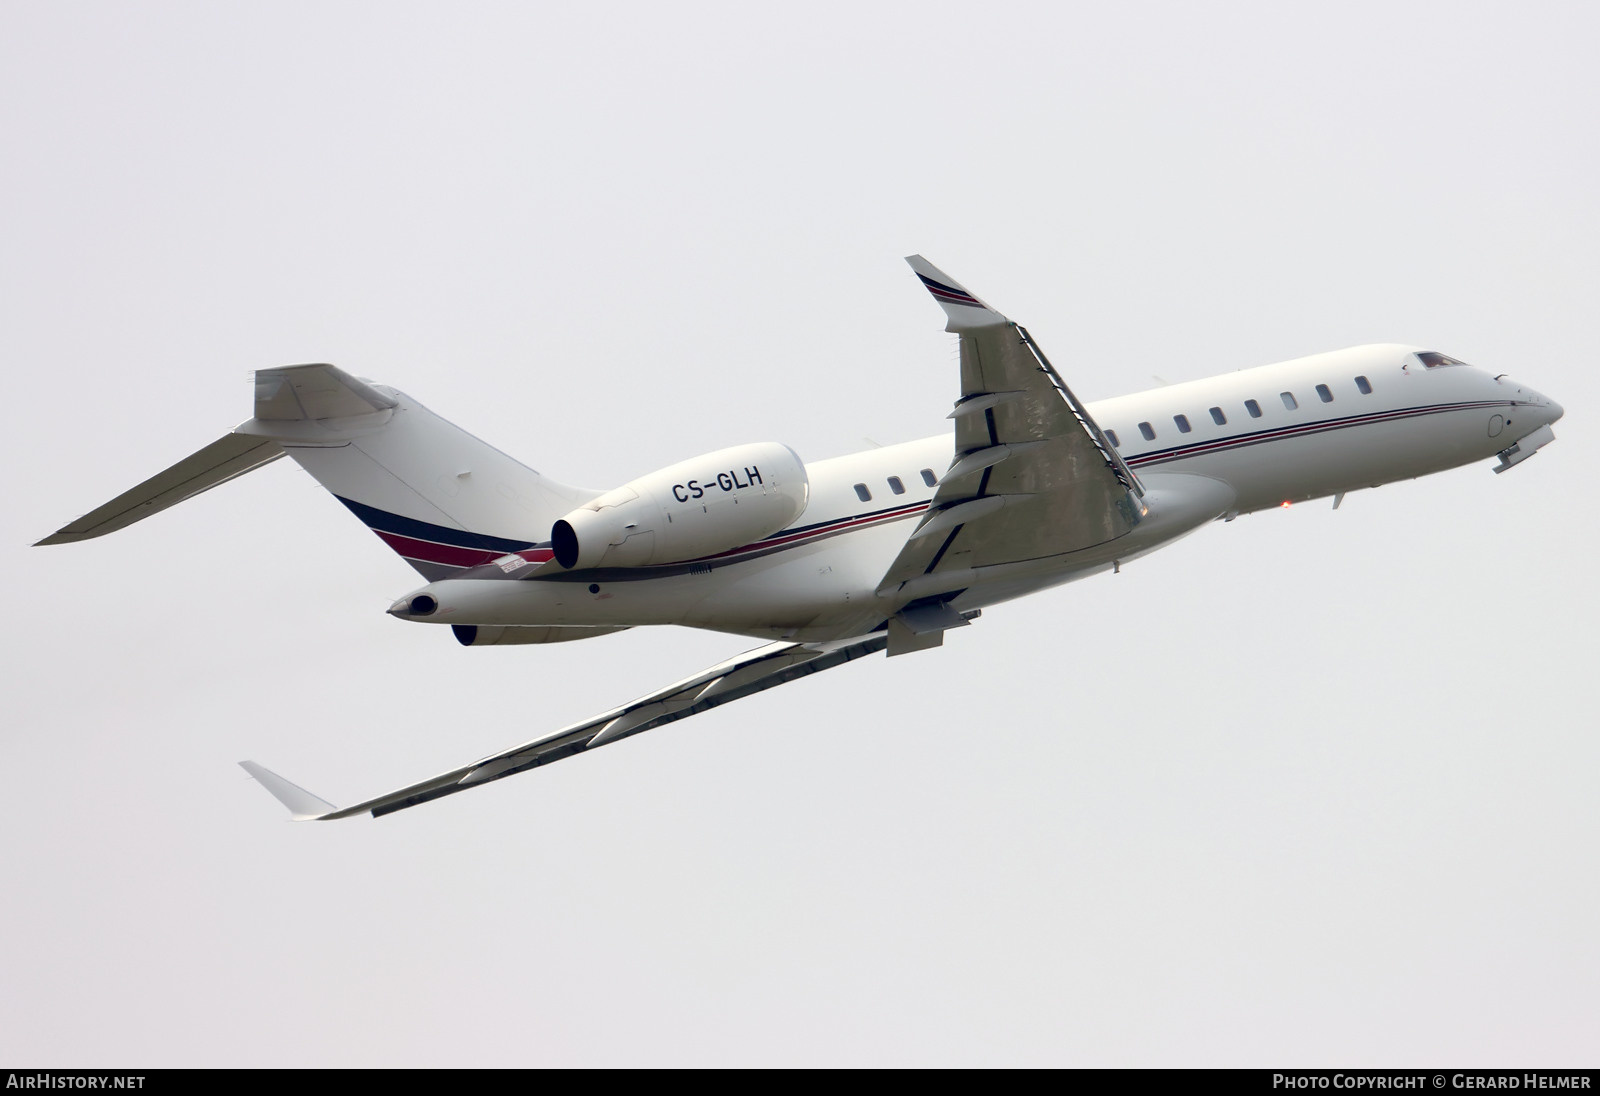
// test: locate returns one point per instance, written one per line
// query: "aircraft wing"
(763, 668)
(1033, 475)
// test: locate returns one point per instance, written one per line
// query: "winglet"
(302, 804)
(963, 309)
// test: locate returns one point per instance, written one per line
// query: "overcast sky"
(1312, 788)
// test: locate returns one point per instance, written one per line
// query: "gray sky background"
(1313, 788)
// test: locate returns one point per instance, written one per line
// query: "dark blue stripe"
(961, 295)
(796, 529)
(386, 522)
(1297, 430)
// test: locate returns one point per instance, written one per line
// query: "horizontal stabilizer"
(312, 393)
(301, 803)
(229, 456)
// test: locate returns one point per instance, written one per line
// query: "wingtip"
(924, 269)
(964, 308)
(303, 806)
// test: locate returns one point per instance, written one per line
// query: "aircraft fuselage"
(1203, 450)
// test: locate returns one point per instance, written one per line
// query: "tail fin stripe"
(450, 556)
(444, 554)
(382, 521)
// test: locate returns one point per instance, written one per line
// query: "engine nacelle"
(695, 508)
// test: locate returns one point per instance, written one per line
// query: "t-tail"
(442, 499)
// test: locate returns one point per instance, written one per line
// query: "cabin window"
(928, 477)
(862, 493)
(1148, 431)
(1218, 417)
(1364, 386)
(1288, 400)
(1324, 394)
(896, 486)
(1183, 423)
(1253, 407)
(1111, 436)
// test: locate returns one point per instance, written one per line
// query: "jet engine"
(699, 507)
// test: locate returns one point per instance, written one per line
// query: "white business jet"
(830, 561)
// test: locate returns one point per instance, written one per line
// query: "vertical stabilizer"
(438, 496)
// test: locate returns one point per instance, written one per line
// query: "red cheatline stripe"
(823, 531)
(429, 552)
(450, 555)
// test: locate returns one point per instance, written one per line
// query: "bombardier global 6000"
(832, 560)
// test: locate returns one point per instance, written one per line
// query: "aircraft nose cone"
(1544, 409)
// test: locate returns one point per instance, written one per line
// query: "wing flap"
(1033, 475)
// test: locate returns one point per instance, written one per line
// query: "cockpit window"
(1435, 360)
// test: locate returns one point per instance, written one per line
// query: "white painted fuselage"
(1215, 448)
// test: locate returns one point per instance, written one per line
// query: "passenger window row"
(1146, 430)
(896, 485)
(1218, 416)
